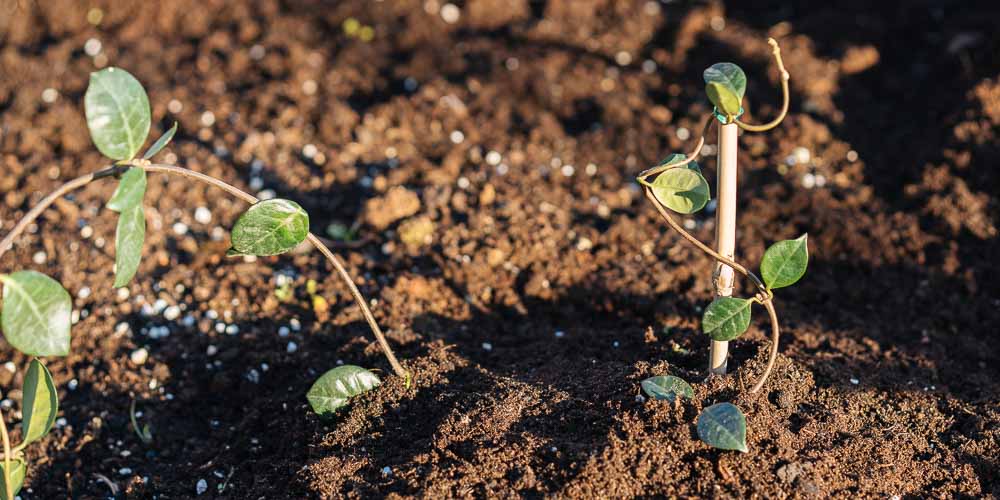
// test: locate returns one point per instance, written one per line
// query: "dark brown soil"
(887, 382)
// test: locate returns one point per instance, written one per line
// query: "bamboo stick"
(725, 232)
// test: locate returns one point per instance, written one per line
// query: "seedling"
(36, 309)
(678, 185)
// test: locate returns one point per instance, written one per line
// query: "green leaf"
(729, 76)
(131, 231)
(160, 143)
(667, 387)
(36, 314)
(40, 404)
(128, 244)
(683, 190)
(677, 158)
(723, 426)
(726, 318)
(117, 112)
(725, 84)
(17, 470)
(270, 227)
(785, 262)
(337, 386)
(130, 191)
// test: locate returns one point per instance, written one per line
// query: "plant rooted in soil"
(36, 313)
(677, 184)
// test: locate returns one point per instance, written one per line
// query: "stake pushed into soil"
(118, 170)
(726, 84)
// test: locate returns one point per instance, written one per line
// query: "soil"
(517, 270)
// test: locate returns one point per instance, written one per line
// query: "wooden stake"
(725, 232)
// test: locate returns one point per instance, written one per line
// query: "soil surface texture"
(486, 151)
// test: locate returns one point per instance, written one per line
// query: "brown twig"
(776, 51)
(81, 181)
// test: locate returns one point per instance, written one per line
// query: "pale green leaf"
(725, 84)
(130, 191)
(333, 390)
(728, 75)
(40, 404)
(36, 314)
(129, 238)
(117, 112)
(723, 426)
(16, 474)
(270, 227)
(131, 231)
(683, 190)
(160, 143)
(667, 387)
(785, 262)
(726, 318)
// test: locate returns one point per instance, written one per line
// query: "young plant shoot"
(35, 317)
(676, 184)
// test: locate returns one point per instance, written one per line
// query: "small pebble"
(295, 324)
(292, 347)
(10, 366)
(125, 471)
(139, 356)
(201, 487)
(211, 350)
(560, 334)
(180, 228)
(171, 313)
(39, 258)
(386, 471)
(801, 155)
(73, 384)
(450, 13)
(493, 158)
(283, 331)
(487, 346)
(203, 215)
(855, 381)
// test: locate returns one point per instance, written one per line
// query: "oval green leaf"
(785, 262)
(337, 386)
(131, 231)
(667, 387)
(270, 227)
(683, 190)
(729, 76)
(40, 404)
(723, 426)
(16, 474)
(36, 314)
(117, 112)
(160, 143)
(726, 318)
(725, 84)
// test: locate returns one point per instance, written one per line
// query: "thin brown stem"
(79, 182)
(690, 157)
(6, 458)
(776, 51)
(768, 304)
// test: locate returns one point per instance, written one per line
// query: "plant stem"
(81, 181)
(776, 51)
(6, 459)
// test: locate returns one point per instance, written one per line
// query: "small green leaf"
(130, 191)
(131, 231)
(728, 75)
(667, 387)
(726, 318)
(160, 143)
(683, 190)
(785, 262)
(117, 112)
(677, 158)
(337, 386)
(17, 470)
(270, 227)
(723, 426)
(40, 404)
(725, 84)
(36, 314)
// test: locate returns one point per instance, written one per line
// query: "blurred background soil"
(488, 149)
